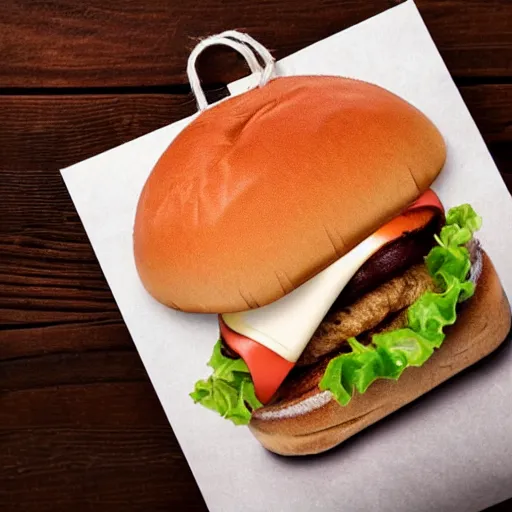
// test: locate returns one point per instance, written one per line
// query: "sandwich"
(302, 214)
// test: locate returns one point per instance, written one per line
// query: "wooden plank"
(473, 36)
(53, 297)
(85, 430)
(88, 43)
(56, 470)
(491, 108)
(51, 132)
(74, 369)
(39, 132)
(104, 446)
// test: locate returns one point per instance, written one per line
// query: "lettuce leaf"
(229, 390)
(390, 353)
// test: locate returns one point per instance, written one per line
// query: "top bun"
(264, 190)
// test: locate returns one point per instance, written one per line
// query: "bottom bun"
(315, 422)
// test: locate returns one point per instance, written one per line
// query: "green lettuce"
(390, 353)
(229, 390)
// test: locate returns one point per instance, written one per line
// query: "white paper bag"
(449, 451)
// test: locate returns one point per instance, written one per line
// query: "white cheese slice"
(286, 325)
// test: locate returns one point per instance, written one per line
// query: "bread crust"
(266, 189)
(315, 422)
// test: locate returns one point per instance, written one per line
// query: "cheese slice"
(286, 325)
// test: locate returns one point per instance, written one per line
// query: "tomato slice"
(268, 369)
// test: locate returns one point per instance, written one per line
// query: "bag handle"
(244, 44)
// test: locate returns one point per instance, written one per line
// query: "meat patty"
(367, 312)
(304, 378)
(390, 261)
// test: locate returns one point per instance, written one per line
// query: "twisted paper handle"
(248, 47)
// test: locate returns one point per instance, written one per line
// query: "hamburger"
(301, 214)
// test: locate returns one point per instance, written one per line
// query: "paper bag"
(451, 450)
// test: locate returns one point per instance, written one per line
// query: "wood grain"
(87, 447)
(490, 106)
(56, 131)
(90, 43)
(52, 132)
(50, 470)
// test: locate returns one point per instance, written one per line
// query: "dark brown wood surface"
(80, 425)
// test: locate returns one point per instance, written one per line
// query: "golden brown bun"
(263, 191)
(480, 328)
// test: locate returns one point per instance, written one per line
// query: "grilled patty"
(367, 312)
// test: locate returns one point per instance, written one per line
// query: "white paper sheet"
(449, 451)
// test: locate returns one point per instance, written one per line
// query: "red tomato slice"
(268, 369)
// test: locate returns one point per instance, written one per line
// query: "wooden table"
(80, 425)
